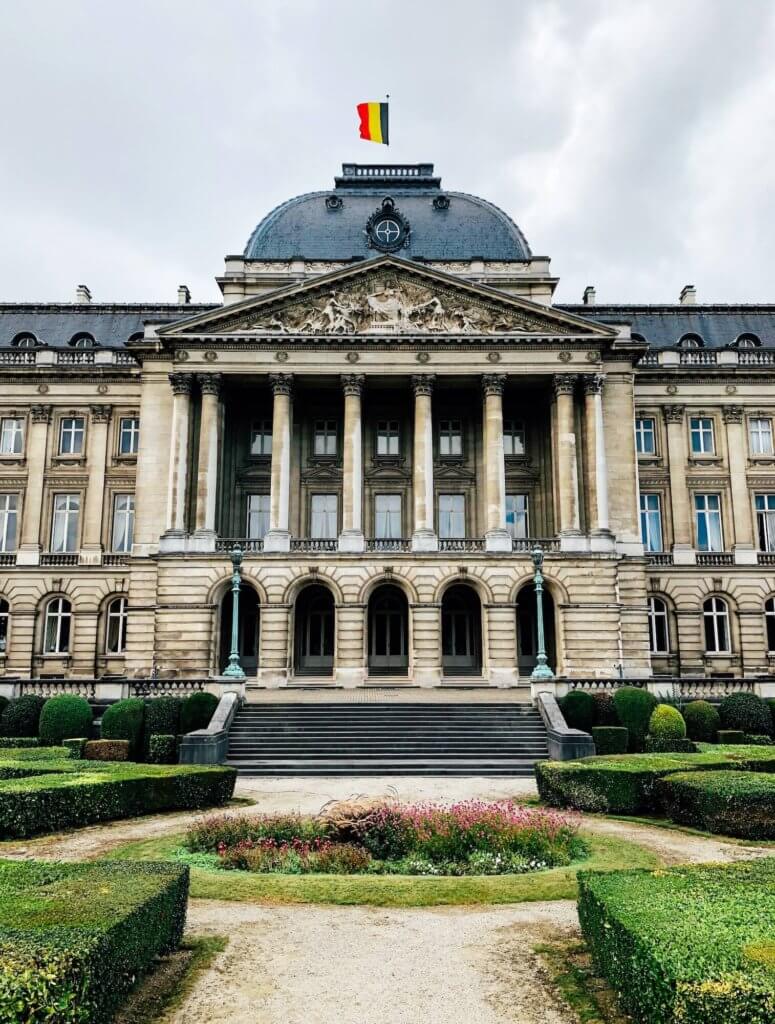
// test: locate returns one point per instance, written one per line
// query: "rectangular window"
(388, 437)
(11, 436)
(261, 438)
(651, 522)
(645, 435)
(71, 431)
(64, 525)
(325, 437)
(128, 435)
(452, 515)
(701, 432)
(258, 516)
(387, 516)
(324, 516)
(760, 433)
(450, 438)
(765, 521)
(517, 516)
(9, 504)
(513, 437)
(707, 508)
(123, 522)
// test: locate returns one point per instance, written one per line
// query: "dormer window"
(747, 341)
(82, 341)
(691, 341)
(25, 340)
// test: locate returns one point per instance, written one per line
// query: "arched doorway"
(248, 629)
(314, 632)
(461, 632)
(388, 632)
(527, 630)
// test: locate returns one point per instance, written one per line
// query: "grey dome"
(332, 225)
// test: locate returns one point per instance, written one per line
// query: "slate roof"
(663, 326)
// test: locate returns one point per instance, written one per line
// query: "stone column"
(497, 537)
(177, 485)
(29, 546)
(742, 519)
(96, 459)
(683, 552)
(567, 475)
(424, 535)
(351, 537)
(597, 476)
(279, 537)
(207, 467)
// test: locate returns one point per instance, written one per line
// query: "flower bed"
(469, 838)
(731, 803)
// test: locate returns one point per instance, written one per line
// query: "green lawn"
(607, 854)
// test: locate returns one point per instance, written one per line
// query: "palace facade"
(387, 413)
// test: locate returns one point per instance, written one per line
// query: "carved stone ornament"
(352, 357)
(564, 357)
(282, 383)
(281, 357)
(422, 383)
(352, 383)
(494, 357)
(672, 389)
(101, 413)
(40, 413)
(493, 383)
(102, 389)
(674, 413)
(387, 229)
(733, 413)
(731, 389)
(334, 203)
(564, 383)
(43, 389)
(210, 356)
(423, 357)
(210, 383)
(181, 356)
(441, 202)
(181, 383)
(593, 383)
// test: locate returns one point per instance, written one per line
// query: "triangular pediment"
(387, 296)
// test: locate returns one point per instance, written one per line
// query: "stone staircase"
(334, 738)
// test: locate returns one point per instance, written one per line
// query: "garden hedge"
(74, 937)
(197, 710)
(728, 736)
(605, 712)
(659, 745)
(578, 709)
(610, 739)
(746, 712)
(731, 803)
(76, 746)
(162, 717)
(689, 944)
(106, 750)
(667, 723)
(633, 709)
(64, 717)
(124, 721)
(21, 715)
(702, 721)
(162, 749)
(19, 741)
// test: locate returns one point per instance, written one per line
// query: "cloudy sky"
(632, 140)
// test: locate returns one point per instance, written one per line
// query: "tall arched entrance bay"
(527, 630)
(461, 632)
(249, 620)
(314, 631)
(388, 632)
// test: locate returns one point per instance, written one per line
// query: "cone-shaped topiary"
(124, 721)
(747, 712)
(64, 717)
(666, 723)
(634, 707)
(702, 721)
(197, 711)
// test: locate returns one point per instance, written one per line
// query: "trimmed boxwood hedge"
(162, 717)
(633, 709)
(659, 745)
(746, 712)
(162, 749)
(605, 712)
(702, 721)
(64, 717)
(21, 715)
(667, 723)
(578, 709)
(731, 803)
(106, 750)
(19, 741)
(74, 937)
(197, 710)
(124, 721)
(689, 944)
(730, 736)
(610, 739)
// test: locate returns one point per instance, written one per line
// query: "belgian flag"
(374, 122)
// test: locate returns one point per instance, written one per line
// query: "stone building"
(386, 412)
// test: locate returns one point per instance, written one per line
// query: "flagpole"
(387, 97)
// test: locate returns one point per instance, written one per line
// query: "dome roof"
(427, 223)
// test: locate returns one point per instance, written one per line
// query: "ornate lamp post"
(541, 670)
(234, 670)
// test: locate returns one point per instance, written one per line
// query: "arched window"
(25, 340)
(769, 621)
(715, 614)
(691, 341)
(747, 341)
(659, 630)
(83, 340)
(115, 626)
(5, 615)
(56, 636)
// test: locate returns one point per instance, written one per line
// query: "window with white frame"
(387, 516)
(128, 435)
(388, 437)
(56, 630)
(325, 437)
(64, 523)
(71, 431)
(659, 632)
(258, 516)
(450, 438)
(324, 519)
(646, 435)
(261, 438)
(5, 617)
(452, 515)
(715, 615)
(123, 522)
(517, 516)
(701, 435)
(115, 626)
(765, 520)
(760, 435)
(9, 514)
(651, 521)
(11, 435)
(707, 511)
(769, 623)
(513, 437)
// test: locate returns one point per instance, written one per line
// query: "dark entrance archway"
(461, 632)
(314, 632)
(388, 632)
(249, 619)
(527, 630)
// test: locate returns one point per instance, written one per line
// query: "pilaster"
(279, 537)
(497, 537)
(37, 441)
(351, 537)
(96, 461)
(424, 535)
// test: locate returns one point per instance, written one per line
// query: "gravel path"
(350, 965)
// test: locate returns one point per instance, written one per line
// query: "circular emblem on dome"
(387, 229)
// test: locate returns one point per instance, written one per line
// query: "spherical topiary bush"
(633, 708)
(702, 721)
(64, 717)
(605, 712)
(124, 721)
(578, 708)
(197, 711)
(747, 712)
(666, 723)
(21, 715)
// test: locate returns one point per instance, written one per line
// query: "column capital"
(210, 383)
(564, 383)
(352, 383)
(40, 413)
(181, 383)
(593, 383)
(101, 413)
(493, 383)
(422, 383)
(732, 413)
(673, 413)
(282, 383)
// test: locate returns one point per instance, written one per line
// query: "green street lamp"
(234, 670)
(541, 672)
